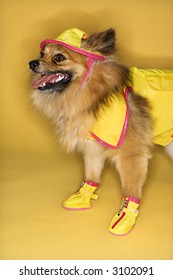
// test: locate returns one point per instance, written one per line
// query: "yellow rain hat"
(72, 39)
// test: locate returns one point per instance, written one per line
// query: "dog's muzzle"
(54, 81)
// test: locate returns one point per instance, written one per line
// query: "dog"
(101, 108)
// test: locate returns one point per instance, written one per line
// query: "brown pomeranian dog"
(80, 86)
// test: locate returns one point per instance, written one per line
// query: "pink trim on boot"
(93, 184)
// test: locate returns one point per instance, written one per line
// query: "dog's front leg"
(133, 170)
(94, 163)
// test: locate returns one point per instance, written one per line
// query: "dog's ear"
(103, 42)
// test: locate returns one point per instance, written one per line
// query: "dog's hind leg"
(94, 163)
(169, 150)
(133, 171)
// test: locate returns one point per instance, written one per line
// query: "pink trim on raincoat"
(123, 132)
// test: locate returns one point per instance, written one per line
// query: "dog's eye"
(59, 57)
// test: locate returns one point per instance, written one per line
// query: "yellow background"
(36, 174)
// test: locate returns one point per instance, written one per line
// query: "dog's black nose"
(34, 65)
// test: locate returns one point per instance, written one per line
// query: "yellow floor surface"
(35, 226)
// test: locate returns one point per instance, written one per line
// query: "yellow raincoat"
(153, 84)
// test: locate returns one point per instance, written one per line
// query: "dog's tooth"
(42, 85)
(59, 74)
(59, 79)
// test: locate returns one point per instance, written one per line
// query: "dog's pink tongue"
(47, 79)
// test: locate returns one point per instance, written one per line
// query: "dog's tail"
(169, 150)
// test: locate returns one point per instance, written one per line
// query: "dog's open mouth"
(52, 81)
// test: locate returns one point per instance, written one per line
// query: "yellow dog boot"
(82, 199)
(124, 221)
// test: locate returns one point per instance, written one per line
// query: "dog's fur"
(74, 107)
